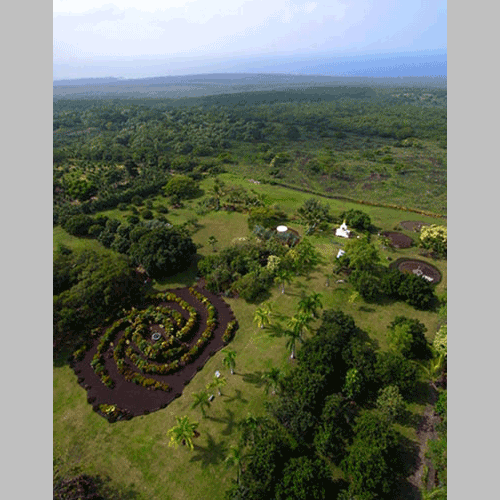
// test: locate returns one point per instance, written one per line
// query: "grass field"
(136, 453)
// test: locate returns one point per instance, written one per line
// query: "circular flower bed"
(128, 367)
(418, 267)
(398, 240)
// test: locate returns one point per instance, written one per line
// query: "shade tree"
(163, 252)
(373, 463)
(407, 337)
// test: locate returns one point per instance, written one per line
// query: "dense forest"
(355, 142)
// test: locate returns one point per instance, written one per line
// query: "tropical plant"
(272, 380)
(313, 213)
(235, 459)
(434, 237)
(217, 383)
(201, 401)
(183, 433)
(300, 322)
(229, 360)
(283, 276)
(218, 191)
(309, 304)
(294, 335)
(407, 337)
(261, 317)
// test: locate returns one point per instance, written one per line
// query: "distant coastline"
(397, 65)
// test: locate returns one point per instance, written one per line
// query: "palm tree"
(229, 361)
(218, 191)
(293, 336)
(297, 324)
(217, 383)
(261, 317)
(433, 369)
(183, 433)
(201, 400)
(301, 322)
(272, 380)
(283, 276)
(309, 304)
(235, 458)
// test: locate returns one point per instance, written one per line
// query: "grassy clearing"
(136, 453)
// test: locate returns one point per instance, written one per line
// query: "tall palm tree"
(229, 361)
(300, 322)
(235, 458)
(183, 433)
(309, 304)
(272, 380)
(293, 335)
(283, 276)
(217, 383)
(261, 317)
(201, 401)
(218, 191)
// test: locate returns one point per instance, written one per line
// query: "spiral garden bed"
(398, 240)
(413, 225)
(418, 267)
(144, 360)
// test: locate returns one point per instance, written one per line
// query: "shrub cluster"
(231, 327)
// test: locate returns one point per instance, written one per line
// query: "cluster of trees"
(373, 281)
(249, 268)
(160, 248)
(336, 408)
(95, 140)
(89, 287)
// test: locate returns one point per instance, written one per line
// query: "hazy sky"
(89, 32)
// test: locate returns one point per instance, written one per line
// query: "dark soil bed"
(411, 265)
(413, 225)
(398, 240)
(135, 399)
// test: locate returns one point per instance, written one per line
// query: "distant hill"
(86, 81)
(177, 87)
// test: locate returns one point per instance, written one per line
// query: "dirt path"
(426, 431)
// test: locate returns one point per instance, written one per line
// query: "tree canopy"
(163, 252)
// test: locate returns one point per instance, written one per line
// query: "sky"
(130, 38)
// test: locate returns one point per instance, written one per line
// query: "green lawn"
(136, 452)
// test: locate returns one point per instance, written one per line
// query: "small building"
(342, 231)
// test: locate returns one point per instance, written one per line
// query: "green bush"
(79, 225)
(356, 219)
(254, 286)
